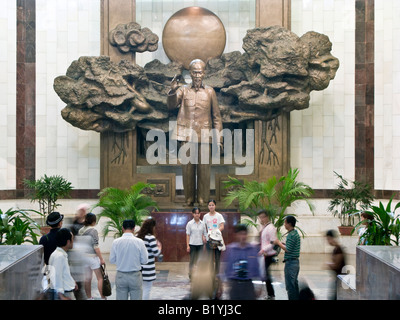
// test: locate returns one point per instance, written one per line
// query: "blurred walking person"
(77, 254)
(79, 219)
(241, 266)
(268, 236)
(338, 259)
(94, 257)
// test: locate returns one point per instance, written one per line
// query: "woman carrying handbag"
(106, 289)
(94, 259)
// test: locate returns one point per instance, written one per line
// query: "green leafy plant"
(46, 191)
(349, 199)
(119, 205)
(384, 228)
(274, 195)
(17, 227)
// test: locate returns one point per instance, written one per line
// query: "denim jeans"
(292, 268)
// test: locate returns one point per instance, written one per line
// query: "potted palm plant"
(349, 199)
(46, 191)
(17, 227)
(118, 205)
(275, 195)
(383, 228)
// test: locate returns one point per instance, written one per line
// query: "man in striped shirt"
(291, 258)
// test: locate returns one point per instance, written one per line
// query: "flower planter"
(45, 230)
(345, 230)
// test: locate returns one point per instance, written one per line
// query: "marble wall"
(322, 136)
(65, 31)
(351, 127)
(8, 65)
(387, 94)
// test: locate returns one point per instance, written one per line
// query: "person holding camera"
(241, 266)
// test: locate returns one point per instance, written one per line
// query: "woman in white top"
(195, 238)
(214, 220)
(95, 259)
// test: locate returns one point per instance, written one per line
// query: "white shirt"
(128, 253)
(268, 234)
(195, 231)
(60, 274)
(361, 232)
(213, 221)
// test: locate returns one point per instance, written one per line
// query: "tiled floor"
(173, 283)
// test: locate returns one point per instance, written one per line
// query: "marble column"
(117, 150)
(26, 93)
(364, 95)
(276, 132)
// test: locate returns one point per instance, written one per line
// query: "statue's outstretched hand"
(175, 82)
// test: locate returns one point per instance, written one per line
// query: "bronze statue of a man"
(198, 114)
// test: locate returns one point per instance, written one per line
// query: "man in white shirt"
(61, 280)
(128, 253)
(268, 236)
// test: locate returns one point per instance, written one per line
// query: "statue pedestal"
(171, 231)
(20, 272)
(377, 275)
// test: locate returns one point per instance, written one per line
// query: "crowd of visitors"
(72, 255)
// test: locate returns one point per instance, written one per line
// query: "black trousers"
(215, 254)
(268, 279)
(241, 290)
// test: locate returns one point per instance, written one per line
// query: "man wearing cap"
(48, 241)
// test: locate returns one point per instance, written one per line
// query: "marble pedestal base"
(20, 272)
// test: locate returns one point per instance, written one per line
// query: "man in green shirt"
(291, 258)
